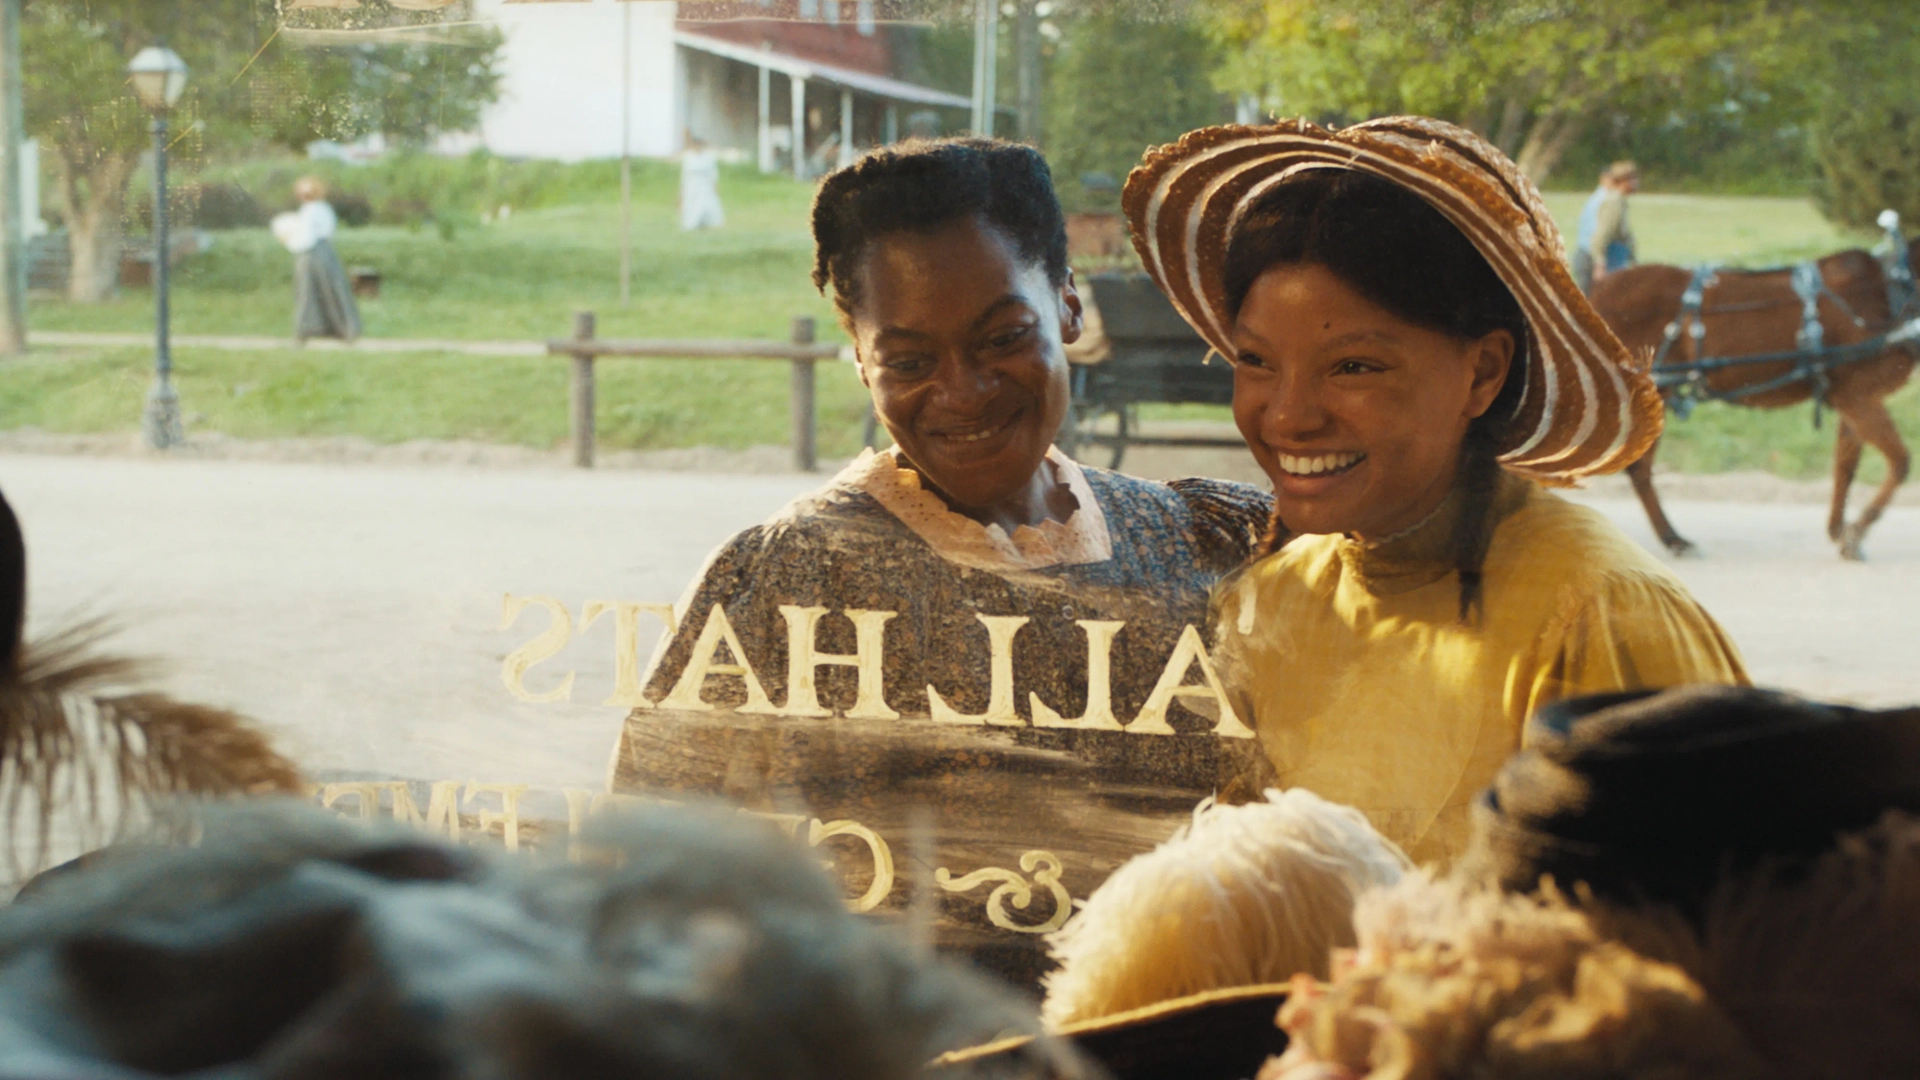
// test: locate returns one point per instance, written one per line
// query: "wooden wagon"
(1154, 358)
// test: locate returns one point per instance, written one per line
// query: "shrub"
(352, 208)
(1121, 85)
(227, 206)
(1867, 139)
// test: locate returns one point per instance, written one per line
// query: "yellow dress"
(1352, 663)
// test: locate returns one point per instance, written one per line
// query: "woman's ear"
(1490, 356)
(1072, 312)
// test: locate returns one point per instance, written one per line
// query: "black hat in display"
(1653, 796)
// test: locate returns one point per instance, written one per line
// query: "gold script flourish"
(1014, 890)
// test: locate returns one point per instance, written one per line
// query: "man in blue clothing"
(1605, 240)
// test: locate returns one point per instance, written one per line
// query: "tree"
(1867, 131)
(1120, 84)
(410, 93)
(248, 83)
(1529, 75)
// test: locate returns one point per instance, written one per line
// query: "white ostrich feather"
(1244, 895)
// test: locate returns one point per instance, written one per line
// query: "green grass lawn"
(521, 278)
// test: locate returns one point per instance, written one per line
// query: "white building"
(576, 71)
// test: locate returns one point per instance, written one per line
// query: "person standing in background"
(1605, 240)
(323, 304)
(700, 187)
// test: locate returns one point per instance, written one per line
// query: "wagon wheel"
(1124, 423)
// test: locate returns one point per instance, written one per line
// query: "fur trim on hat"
(1244, 895)
(1819, 964)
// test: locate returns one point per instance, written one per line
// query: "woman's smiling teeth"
(1320, 465)
(977, 434)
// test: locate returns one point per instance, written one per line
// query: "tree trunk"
(1026, 60)
(95, 204)
(1547, 142)
(1513, 117)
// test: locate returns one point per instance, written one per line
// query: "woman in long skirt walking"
(322, 296)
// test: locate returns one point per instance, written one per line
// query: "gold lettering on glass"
(1099, 712)
(869, 629)
(507, 817)
(703, 662)
(367, 792)
(513, 669)
(443, 808)
(1152, 719)
(1014, 890)
(882, 858)
(627, 692)
(1000, 631)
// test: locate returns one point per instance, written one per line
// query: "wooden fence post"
(804, 457)
(582, 395)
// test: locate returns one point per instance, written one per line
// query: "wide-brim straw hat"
(1588, 406)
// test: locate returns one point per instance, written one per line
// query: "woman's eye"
(907, 365)
(1006, 339)
(1354, 367)
(1254, 360)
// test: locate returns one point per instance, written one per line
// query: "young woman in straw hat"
(1413, 366)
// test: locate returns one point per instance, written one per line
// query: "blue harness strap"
(1808, 285)
(1688, 321)
(1685, 384)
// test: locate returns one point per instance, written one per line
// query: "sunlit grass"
(522, 278)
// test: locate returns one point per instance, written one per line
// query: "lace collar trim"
(1081, 539)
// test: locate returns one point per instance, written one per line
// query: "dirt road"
(356, 609)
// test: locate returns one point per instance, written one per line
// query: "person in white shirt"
(323, 304)
(700, 187)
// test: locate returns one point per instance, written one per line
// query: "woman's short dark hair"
(1394, 248)
(923, 185)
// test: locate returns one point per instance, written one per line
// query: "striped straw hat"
(1588, 406)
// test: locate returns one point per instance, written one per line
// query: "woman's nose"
(965, 384)
(1294, 409)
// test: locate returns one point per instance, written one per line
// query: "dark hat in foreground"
(1589, 406)
(1654, 796)
(1216, 1035)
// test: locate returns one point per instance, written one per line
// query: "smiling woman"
(1412, 364)
(971, 623)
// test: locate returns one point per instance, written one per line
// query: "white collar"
(1081, 539)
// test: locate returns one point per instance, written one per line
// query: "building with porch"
(794, 85)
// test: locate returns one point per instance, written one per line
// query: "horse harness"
(1685, 385)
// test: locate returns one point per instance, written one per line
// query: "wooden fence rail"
(584, 348)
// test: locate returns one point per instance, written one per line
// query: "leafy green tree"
(1120, 84)
(1867, 126)
(410, 93)
(1530, 75)
(248, 83)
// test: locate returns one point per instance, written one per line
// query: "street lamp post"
(159, 76)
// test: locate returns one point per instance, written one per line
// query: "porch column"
(765, 130)
(846, 130)
(893, 123)
(799, 128)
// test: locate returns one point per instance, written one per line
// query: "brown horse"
(1758, 312)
